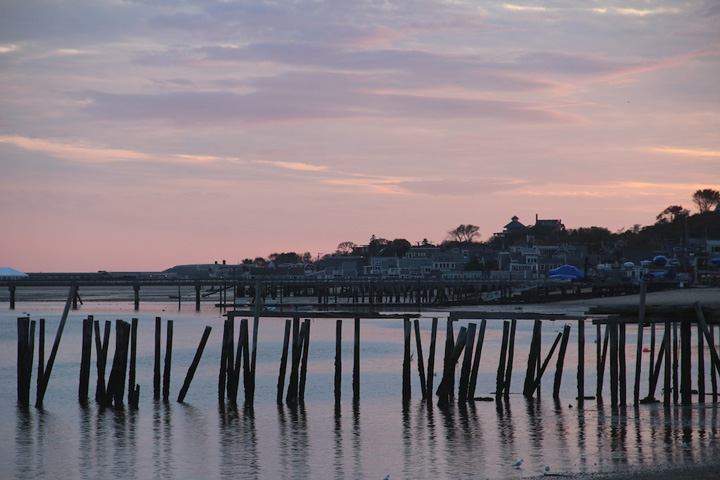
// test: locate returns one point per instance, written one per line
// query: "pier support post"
(197, 297)
(12, 296)
(136, 289)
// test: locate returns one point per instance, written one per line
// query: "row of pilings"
(463, 348)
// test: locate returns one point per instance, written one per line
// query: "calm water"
(370, 440)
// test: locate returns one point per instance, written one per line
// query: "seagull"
(547, 468)
(518, 463)
(387, 477)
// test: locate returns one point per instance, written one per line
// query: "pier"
(669, 341)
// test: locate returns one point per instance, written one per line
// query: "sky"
(138, 135)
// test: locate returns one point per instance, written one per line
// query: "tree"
(345, 248)
(464, 234)
(706, 199)
(672, 213)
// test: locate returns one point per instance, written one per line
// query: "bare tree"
(706, 199)
(345, 248)
(464, 233)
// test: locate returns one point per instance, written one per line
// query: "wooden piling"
(156, 374)
(24, 361)
(465, 371)
(248, 374)
(42, 386)
(639, 352)
(338, 358)
(41, 352)
(406, 361)
(133, 388)
(431, 358)
(420, 361)
(675, 359)
(136, 291)
(101, 350)
(224, 354)
(168, 360)
(536, 383)
(283, 363)
(581, 361)
(298, 333)
(561, 361)
(476, 360)
(304, 361)
(622, 365)
(715, 358)
(500, 380)
(614, 364)
(356, 361)
(602, 357)
(655, 369)
(533, 358)
(685, 362)
(115, 390)
(510, 357)
(701, 365)
(194, 364)
(84, 383)
(667, 385)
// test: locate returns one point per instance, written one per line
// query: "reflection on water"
(420, 440)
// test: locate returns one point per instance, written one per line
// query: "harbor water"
(371, 439)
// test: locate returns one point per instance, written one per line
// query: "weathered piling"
(101, 351)
(701, 365)
(476, 360)
(304, 362)
(622, 365)
(225, 352)
(248, 375)
(283, 364)
(156, 375)
(639, 352)
(168, 360)
(420, 361)
(84, 383)
(194, 364)
(406, 361)
(533, 358)
(133, 388)
(338, 359)
(500, 380)
(581, 361)
(510, 357)
(47, 370)
(536, 383)
(561, 361)
(41, 351)
(25, 342)
(614, 365)
(464, 383)
(431, 358)
(299, 333)
(115, 390)
(667, 373)
(356, 361)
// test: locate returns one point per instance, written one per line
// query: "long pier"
(334, 294)
(463, 348)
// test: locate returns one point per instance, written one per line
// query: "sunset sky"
(137, 135)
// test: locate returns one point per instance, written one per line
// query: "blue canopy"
(715, 262)
(569, 270)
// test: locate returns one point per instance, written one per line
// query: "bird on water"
(518, 463)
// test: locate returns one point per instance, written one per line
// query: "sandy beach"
(706, 296)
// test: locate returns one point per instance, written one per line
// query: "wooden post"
(668, 363)
(500, 381)
(581, 361)
(356, 361)
(420, 361)
(248, 374)
(510, 357)
(283, 362)
(42, 387)
(133, 388)
(303, 365)
(533, 358)
(41, 354)
(431, 357)
(338, 357)
(685, 361)
(12, 296)
(298, 333)
(83, 385)
(116, 382)
(656, 373)
(194, 364)
(602, 358)
(536, 383)
(711, 345)
(476, 360)
(24, 368)
(406, 361)
(614, 380)
(676, 387)
(701, 366)
(168, 360)
(463, 387)
(622, 366)
(638, 358)
(713, 371)
(197, 297)
(101, 350)
(561, 361)
(224, 354)
(136, 290)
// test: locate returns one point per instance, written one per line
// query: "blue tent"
(568, 271)
(715, 262)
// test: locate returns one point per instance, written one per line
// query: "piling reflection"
(238, 449)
